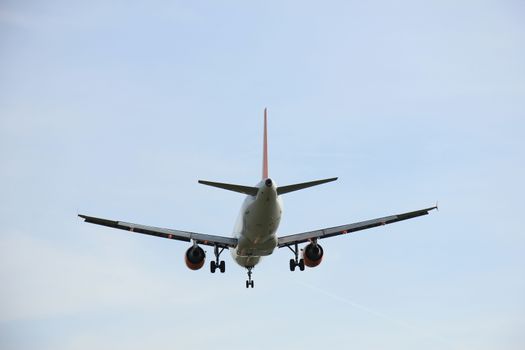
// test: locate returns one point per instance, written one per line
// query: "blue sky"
(116, 109)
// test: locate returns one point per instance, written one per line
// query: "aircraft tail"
(265, 148)
(252, 191)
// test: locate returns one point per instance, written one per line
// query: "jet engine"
(312, 254)
(194, 257)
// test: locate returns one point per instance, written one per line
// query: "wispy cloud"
(378, 314)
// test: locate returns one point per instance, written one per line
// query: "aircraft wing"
(211, 240)
(345, 229)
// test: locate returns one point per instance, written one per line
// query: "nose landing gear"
(249, 281)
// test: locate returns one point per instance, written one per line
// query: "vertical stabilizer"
(265, 148)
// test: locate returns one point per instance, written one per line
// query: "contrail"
(378, 314)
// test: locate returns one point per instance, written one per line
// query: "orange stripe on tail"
(265, 149)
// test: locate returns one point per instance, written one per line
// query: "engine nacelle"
(312, 255)
(194, 257)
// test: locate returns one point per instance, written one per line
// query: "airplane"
(254, 234)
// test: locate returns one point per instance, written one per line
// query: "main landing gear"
(296, 262)
(221, 265)
(249, 281)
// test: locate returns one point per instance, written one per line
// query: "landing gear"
(217, 264)
(249, 281)
(296, 262)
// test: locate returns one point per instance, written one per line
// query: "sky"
(116, 109)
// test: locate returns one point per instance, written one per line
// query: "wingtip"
(436, 207)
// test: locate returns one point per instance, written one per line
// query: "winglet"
(265, 148)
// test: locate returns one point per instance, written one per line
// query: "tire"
(301, 264)
(252, 284)
(222, 266)
(292, 265)
(213, 266)
(247, 284)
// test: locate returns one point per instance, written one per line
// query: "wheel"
(301, 264)
(252, 283)
(247, 284)
(222, 266)
(292, 265)
(213, 266)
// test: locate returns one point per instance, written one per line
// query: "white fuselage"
(257, 224)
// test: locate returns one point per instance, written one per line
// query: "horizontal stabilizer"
(251, 191)
(297, 187)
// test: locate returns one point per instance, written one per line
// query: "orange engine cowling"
(312, 255)
(194, 257)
